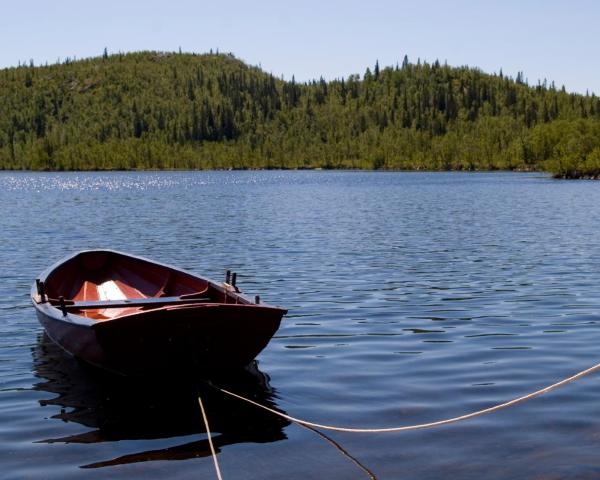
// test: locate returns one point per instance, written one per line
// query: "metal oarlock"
(63, 307)
(40, 290)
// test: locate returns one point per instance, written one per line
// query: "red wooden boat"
(133, 316)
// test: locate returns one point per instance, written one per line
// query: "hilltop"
(158, 110)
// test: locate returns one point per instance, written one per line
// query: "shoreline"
(568, 176)
(280, 169)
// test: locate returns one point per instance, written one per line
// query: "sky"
(556, 40)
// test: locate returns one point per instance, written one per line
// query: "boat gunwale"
(54, 311)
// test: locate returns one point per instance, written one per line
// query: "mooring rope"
(210, 443)
(420, 426)
(342, 451)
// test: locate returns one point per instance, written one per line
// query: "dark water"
(413, 297)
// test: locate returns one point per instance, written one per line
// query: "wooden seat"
(133, 302)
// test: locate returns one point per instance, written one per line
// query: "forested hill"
(153, 110)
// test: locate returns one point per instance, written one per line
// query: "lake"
(412, 297)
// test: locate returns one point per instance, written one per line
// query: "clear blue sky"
(557, 40)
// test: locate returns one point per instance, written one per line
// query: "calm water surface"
(412, 296)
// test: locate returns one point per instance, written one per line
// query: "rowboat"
(133, 316)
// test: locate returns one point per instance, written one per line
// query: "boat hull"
(199, 338)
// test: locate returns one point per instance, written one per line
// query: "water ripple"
(412, 297)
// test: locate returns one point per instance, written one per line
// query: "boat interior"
(102, 285)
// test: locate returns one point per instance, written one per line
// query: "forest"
(173, 110)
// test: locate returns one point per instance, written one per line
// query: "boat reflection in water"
(125, 409)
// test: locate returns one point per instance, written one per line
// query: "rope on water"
(420, 426)
(343, 451)
(210, 443)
